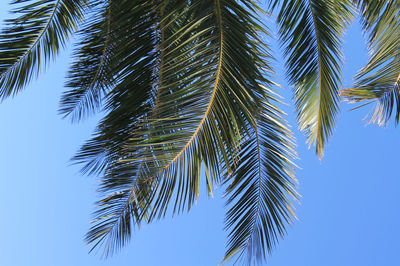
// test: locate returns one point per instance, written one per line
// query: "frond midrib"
(319, 122)
(212, 98)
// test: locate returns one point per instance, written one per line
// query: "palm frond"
(262, 188)
(379, 81)
(35, 36)
(206, 94)
(89, 75)
(121, 210)
(129, 103)
(131, 94)
(311, 31)
(211, 131)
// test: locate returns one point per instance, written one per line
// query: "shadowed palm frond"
(262, 188)
(90, 75)
(130, 97)
(379, 81)
(33, 38)
(311, 31)
(143, 140)
(169, 129)
(128, 103)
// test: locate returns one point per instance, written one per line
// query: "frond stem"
(319, 122)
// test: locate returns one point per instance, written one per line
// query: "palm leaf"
(262, 188)
(311, 32)
(35, 36)
(89, 75)
(123, 207)
(379, 81)
(129, 102)
(211, 131)
(206, 95)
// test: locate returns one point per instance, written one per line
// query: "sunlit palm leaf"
(379, 81)
(311, 31)
(35, 36)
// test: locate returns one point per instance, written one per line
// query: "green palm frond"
(35, 36)
(89, 76)
(211, 131)
(121, 210)
(311, 31)
(206, 94)
(129, 103)
(131, 97)
(379, 81)
(262, 188)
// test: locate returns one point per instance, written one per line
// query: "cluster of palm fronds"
(186, 87)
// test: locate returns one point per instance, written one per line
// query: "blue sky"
(348, 215)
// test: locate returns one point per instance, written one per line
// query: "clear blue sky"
(348, 216)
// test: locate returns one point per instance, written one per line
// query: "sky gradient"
(348, 215)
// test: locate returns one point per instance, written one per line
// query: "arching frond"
(35, 36)
(379, 81)
(207, 81)
(311, 31)
(211, 132)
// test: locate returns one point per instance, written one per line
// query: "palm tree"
(187, 86)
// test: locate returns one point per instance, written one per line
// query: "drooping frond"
(222, 84)
(128, 103)
(121, 210)
(311, 31)
(207, 79)
(262, 188)
(35, 36)
(379, 81)
(90, 76)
